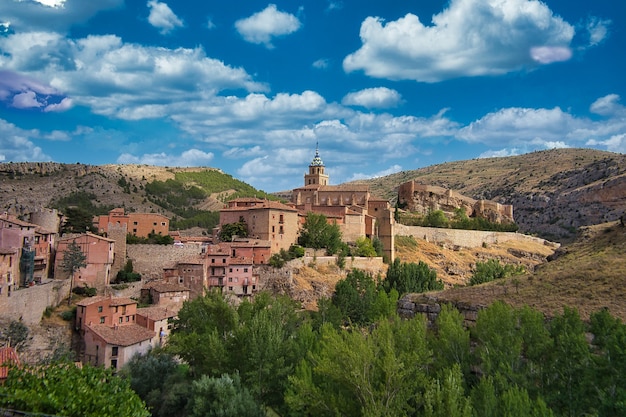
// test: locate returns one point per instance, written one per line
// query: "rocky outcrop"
(422, 199)
(429, 305)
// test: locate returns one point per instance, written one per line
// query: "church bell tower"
(316, 175)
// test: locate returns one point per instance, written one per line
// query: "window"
(114, 363)
(245, 270)
(230, 288)
(162, 223)
(121, 319)
(127, 318)
(230, 269)
(135, 223)
(154, 224)
(212, 260)
(99, 309)
(114, 351)
(101, 320)
(134, 230)
(280, 230)
(224, 260)
(273, 229)
(230, 280)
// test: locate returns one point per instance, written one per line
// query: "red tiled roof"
(160, 286)
(8, 356)
(125, 335)
(156, 313)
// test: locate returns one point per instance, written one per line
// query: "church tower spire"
(316, 175)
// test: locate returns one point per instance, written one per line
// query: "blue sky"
(251, 87)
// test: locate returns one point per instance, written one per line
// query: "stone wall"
(456, 238)
(149, 260)
(28, 304)
(411, 305)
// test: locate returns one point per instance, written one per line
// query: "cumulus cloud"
(608, 106)
(162, 17)
(115, 78)
(28, 93)
(263, 26)
(191, 157)
(17, 144)
(52, 15)
(521, 125)
(616, 143)
(379, 97)
(468, 38)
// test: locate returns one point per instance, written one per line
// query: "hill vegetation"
(553, 192)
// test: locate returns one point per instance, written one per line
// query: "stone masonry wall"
(28, 304)
(411, 305)
(149, 260)
(464, 238)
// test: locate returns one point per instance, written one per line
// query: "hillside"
(170, 191)
(589, 274)
(553, 192)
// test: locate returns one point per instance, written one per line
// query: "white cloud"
(608, 106)
(391, 170)
(191, 157)
(52, 3)
(53, 15)
(263, 26)
(500, 153)
(616, 143)
(521, 125)
(162, 17)
(237, 153)
(17, 144)
(379, 97)
(63, 105)
(469, 38)
(25, 100)
(598, 30)
(321, 63)
(550, 54)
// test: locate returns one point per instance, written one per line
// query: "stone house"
(165, 294)
(111, 335)
(9, 271)
(159, 320)
(33, 246)
(190, 274)
(266, 220)
(138, 224)
(99, 252)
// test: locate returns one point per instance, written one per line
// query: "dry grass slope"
(589, 274)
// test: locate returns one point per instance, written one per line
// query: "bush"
(68, 315)
(86, 291)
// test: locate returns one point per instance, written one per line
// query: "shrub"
(68, 315)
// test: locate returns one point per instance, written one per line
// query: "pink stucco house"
(100, 255)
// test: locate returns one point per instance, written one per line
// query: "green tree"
(73, 260)
(492, 270)
(222, 396)
(203, 332)
(78, 220)
(435, 218)
(364, 247)
(159, 380)
(450, 340)
(16, 335)
(408, 277)
(355, 296)
(317, 233)
(445, 396)
(229, 230)
(67, 390)
(609, 379)
(363, 374)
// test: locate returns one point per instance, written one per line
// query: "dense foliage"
(214, 181)
(408, 277)
(512, 362)
(127, 274)
(65, 389)
(230, 230)
(317, 233)
(492, 270)
(279, 259)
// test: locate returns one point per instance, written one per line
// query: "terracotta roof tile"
(160, 286)
(156, 313)
(8, 355)
(125, 335)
